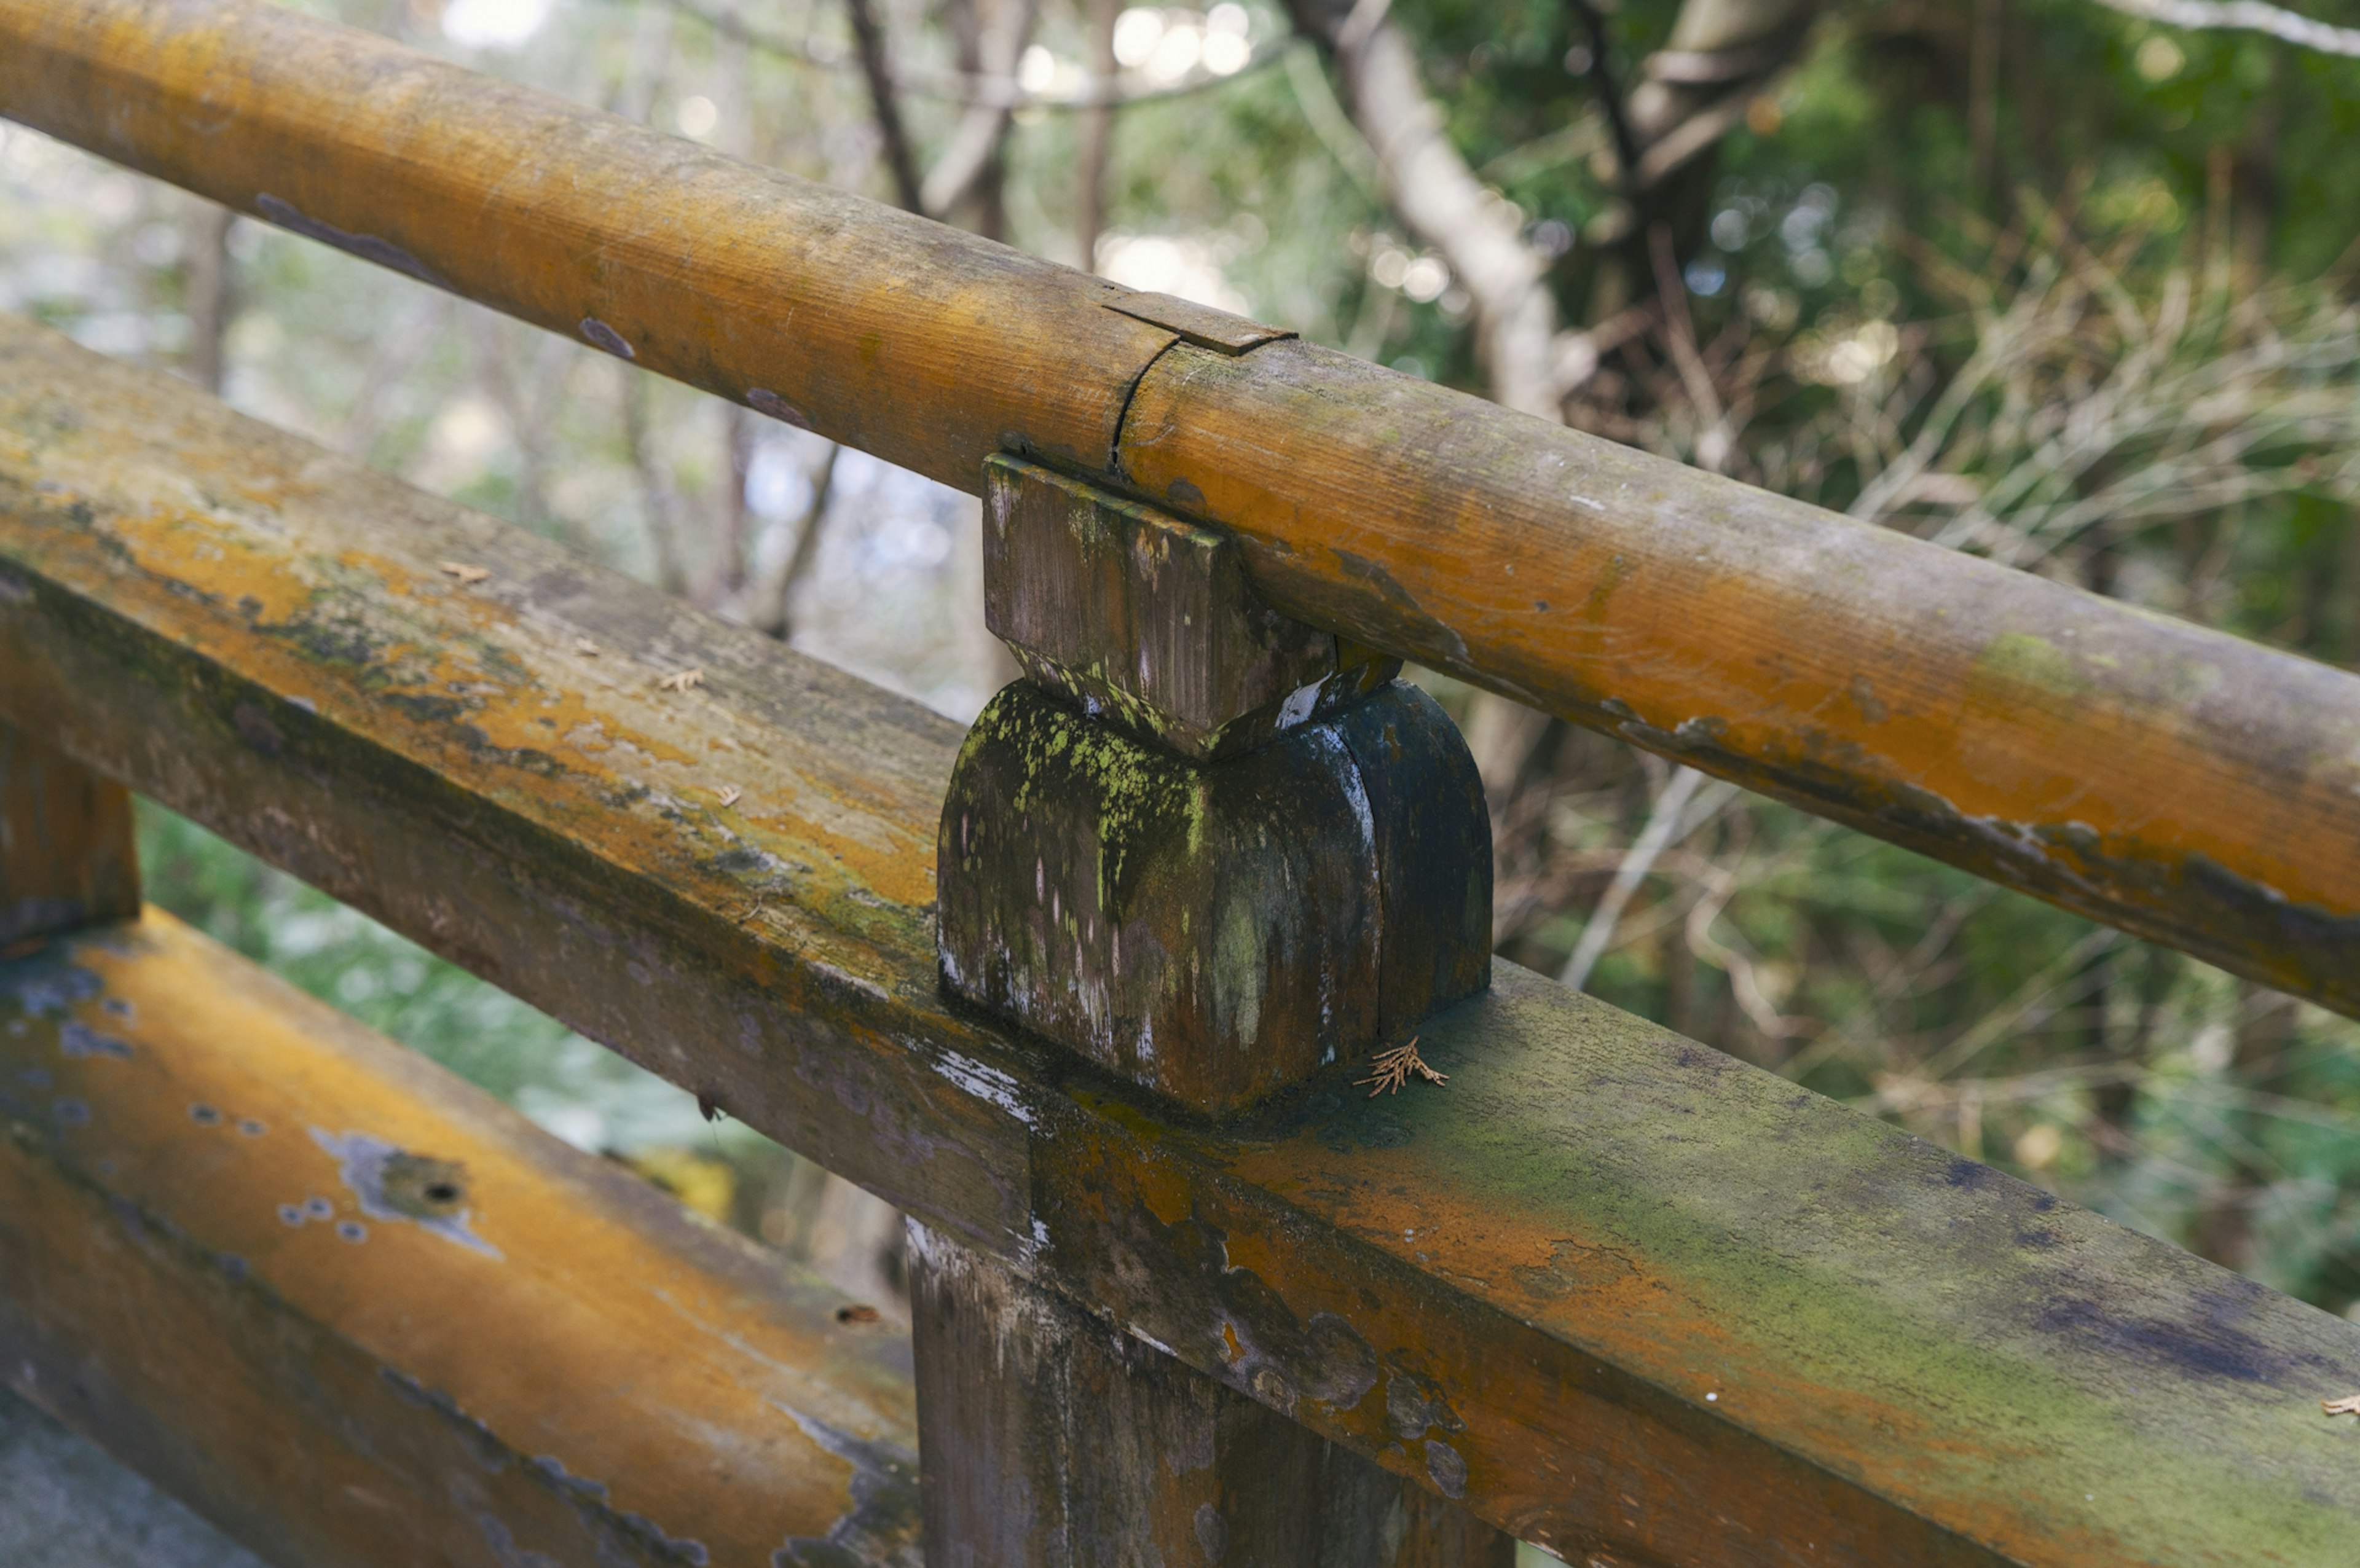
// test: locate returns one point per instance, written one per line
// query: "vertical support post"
(68, 856)
(1211, 849)
(1049, 1439)
(1208, 846)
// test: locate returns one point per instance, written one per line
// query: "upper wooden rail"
(1613, 1291)
(2181, 784)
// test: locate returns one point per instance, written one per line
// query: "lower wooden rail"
(359, 1314)
(1608, 1290)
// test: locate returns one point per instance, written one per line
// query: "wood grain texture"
(1147, 622)
(1433, 838)
(1211, 931)
(1050, 1439)
(2187, 787)
(357, 1312)
(68, 854)
(1609, 1289)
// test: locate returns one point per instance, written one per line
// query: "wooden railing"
(1606, 1290)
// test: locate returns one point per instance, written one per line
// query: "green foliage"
(584, 1094)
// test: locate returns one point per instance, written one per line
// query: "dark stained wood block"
(67, 853)
(1207, 930)
(1215, 930)
(1433, 836)
(1049, 1437)
(1148, 623)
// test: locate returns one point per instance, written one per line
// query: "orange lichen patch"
(596, 1339)
(229, 586)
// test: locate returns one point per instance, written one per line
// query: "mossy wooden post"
(66, 853)
(1212, 849)
(1209, 847)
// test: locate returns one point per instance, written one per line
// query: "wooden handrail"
(2184, 785)
(1612, 1291)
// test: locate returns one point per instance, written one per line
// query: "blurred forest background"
(2062, 282)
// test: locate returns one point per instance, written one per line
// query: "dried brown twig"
(1393, 1067)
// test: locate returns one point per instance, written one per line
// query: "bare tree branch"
(778, 618)
(1719, 55)
(1098, 137)
(1439, 198)
(975, 143)
(869, 32)
(1602, 82)
(1665, 826)
(985, 89)
(659, 504)
(212, 292)
(2244, 17)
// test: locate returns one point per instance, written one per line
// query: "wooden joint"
(1205, 845)
(1200, 324)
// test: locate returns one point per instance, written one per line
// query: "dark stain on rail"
(368, 247)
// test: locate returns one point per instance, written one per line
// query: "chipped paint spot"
(763, 400)
(1447, 1468)
(987, 1084)
(884, 1500)
(78, 1039)
(1298, 704)
(387, 1180)
(45, 987)
(666, 1547)
(368, 247)
(850, 981)
(601, 336)
(1212, 1533)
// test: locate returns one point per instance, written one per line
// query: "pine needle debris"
(1393, 1069)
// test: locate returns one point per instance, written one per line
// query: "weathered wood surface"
(1434, 855)
(1215, 930)
(1169, 847)
(2186, 785)
(66, 855)
(1208, 930)
(1636, 1298)
(1050, 1439)
(1148, 622)
(357, 1312)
